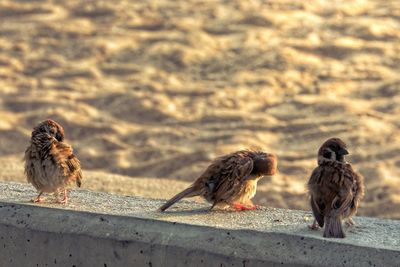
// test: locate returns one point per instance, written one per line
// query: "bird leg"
(38, 198)
(314, 226)
(65, 199)
(241, 207)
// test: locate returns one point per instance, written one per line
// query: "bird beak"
(59, 137)
(343, 151)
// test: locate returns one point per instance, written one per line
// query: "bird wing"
(40, 166)
(358, 193)
(317, 204)
(342, 201)
(74, 166)
(358, 187)
(350, 193)
(335, 190)
(70, 164)
(29, 166)
(235, 172)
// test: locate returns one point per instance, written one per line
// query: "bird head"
(265, 164)
(50, 128)
(333, 149)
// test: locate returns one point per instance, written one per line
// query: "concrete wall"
(98, 229)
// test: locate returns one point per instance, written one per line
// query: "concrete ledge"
(98, 229)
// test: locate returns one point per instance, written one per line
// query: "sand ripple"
(157, 89)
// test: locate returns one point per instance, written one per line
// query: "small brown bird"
(231, 180)
(335, 189)
(50, 165)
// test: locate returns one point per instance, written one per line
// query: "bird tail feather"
(333, 227)
(188, 192)
(79, 182)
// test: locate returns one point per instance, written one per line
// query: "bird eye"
(43, 129)
(327, 154)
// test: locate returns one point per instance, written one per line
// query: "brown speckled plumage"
(335, 189)
(231, 180)
(50, 165)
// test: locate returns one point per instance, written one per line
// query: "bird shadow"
(44, 203)
(193, 212)
(181, 213)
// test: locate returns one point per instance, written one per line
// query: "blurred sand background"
(150, 91)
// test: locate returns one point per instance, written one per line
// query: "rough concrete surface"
(98, 229)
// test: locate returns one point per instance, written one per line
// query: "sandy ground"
(150, 91)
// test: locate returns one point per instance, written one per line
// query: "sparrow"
(230, 181)
(335, 189)
(50, 165)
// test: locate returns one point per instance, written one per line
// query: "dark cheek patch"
(327, 154)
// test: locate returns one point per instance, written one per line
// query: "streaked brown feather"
(226, 179)
(335, 190)
(235, 174)
(50, 164)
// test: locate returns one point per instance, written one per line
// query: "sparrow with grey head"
(230, 180)
(50, 165)
(335, 189)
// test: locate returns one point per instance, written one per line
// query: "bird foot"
(37, 200)
(63, 201)
(314, 226)
(241, 207)
(350, 222)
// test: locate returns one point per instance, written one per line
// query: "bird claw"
(314, 226)
(63, 201)
(350, 222)
(37, 200)
(241, 207)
